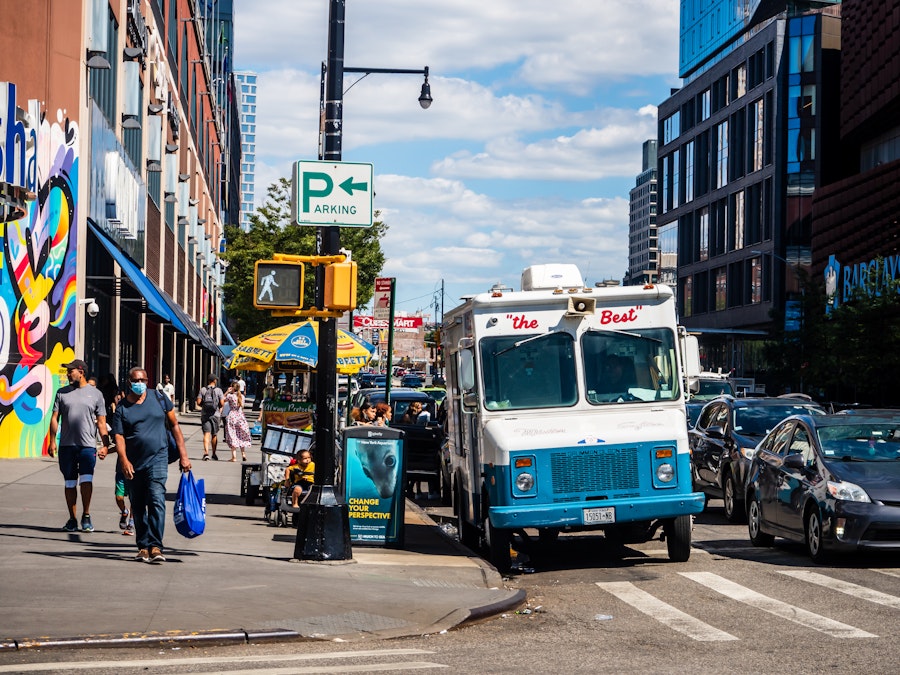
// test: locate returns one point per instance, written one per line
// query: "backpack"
(209, 401)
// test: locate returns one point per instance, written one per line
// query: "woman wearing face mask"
(139, 427)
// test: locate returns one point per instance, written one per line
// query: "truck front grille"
(592, 470)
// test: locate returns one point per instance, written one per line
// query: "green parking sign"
(332, 193)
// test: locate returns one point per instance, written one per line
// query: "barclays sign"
(876, 276)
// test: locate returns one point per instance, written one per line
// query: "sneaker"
(71, 525)
(129, 529)
(86, 524)
(123, 520)
(156, 555)
(143, 555)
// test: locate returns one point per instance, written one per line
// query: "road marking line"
(890, 573)
(777, 607)
(854, 590)
(211, 660)
(666, 614)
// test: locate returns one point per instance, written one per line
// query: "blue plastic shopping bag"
(190, 506)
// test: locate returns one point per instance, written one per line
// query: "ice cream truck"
(566, 412)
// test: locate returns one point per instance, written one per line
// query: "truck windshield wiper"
(516, 345)
(625, 333)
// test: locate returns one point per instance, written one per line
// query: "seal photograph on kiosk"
(375, 467)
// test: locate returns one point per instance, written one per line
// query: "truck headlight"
(524, 482)
(665, 472)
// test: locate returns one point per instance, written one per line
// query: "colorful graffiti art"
(37, 290)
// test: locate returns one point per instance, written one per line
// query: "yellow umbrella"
(296, 345)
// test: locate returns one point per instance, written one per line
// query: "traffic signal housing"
(340, 285)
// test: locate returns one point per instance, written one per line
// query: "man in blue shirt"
(82, 412)
(139, 427)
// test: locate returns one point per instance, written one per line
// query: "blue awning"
(151, 293)
(196, 333)
(227, 334)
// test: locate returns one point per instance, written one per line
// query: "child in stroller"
(285, 496)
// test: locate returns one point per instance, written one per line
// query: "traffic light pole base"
(323, 529)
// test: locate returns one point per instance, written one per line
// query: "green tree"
(271, 232)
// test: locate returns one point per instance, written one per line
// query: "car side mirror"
(794, 462)
(716, 432)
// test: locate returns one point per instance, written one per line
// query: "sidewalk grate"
(338, 624)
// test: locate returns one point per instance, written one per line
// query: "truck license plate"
(604, 515)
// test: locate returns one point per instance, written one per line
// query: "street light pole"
(323, 532)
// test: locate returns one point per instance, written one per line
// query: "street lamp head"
(425, 97)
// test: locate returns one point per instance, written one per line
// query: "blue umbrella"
(302, 346)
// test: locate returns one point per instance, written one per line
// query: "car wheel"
(734, 511)
(754, 525)
(678, 538)
(814, 537)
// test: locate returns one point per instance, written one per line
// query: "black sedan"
(724, 439)
(832, 482)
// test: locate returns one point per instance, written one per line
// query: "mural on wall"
(37, 276)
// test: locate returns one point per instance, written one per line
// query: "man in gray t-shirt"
(81, 411)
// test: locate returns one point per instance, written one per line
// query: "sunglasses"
(139, 379)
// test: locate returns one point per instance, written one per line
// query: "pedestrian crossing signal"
(278, 285)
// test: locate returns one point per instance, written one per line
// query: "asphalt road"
(730, 608)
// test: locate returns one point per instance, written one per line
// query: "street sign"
(277, 285)
(332, 193)
(382, 298)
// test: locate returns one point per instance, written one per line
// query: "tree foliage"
(271, 232)
(851, 354)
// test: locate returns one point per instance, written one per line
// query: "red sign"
(382, 298)
(403, 323)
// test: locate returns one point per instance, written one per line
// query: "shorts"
(77, 461)
(210, 424)
(121, 486)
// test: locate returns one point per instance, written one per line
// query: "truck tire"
(498, 541)
(468, 534)
(678, 538)
(446, 491)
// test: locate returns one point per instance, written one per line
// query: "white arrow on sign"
(332, 193)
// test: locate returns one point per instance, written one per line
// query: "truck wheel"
(498, 541)
(678, 538)
(446, 491)
(468, 535)
(252, 492)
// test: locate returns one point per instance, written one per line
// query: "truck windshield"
(637, 365)
(538, 373)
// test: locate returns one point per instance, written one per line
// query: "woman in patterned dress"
(237, 429)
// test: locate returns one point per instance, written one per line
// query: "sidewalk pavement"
(234, 584)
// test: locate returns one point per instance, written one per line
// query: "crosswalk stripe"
(359, 668)
(855, 590)
(890, 573)
(666, 614)
(777, 607)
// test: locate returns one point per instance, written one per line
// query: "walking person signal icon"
(278, 285)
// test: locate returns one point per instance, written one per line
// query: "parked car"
(412, 381)
(704, 390)
(832, 482)
(724, 439)
(367, 380)
(437, 393)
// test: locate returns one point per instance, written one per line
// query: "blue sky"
(526, 155)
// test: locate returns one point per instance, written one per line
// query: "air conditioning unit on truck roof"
(551, 277)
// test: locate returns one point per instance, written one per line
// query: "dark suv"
(725, 438)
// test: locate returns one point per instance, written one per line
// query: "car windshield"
(759, 420)
(623, 367)
(529, 371)
(710, 389)
(877, 442)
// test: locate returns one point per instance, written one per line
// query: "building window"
(738, 82)
(757, 134)
(722, 154)
(687, 305)
(688, 171)
(704, 105)
(755, 281)
(703, 234)
(671, 127)
(721, 288)
(676, 179)
(736, 225)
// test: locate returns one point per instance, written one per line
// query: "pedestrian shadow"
(223, 499)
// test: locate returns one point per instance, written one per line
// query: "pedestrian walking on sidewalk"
(167, 388)
(111, 395)
(237, 431)
(139, 427)
(79, 410)
(211, 400)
